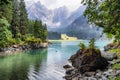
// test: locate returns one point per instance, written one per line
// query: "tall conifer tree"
(23, 19)
(15, 24)
(37, 29)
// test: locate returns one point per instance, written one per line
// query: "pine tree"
(31, 27)
(37, 29)
(44, 32)
(15, 24)
(23, 19)
(40, 31)
(6, 10)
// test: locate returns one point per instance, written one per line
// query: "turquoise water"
(44, 64)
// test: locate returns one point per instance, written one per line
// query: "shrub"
(82, 46)
(14, 41)
(18, 40)
(91, 48)
(3, 44)
(116, 66)
(91, 45)
(32, 40)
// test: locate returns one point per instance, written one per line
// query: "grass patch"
(112, 78)
(118, 78)
(117, 51)
(114, 50)
(116, 66)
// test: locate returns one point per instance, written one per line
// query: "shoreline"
(72, 73)
(64, 40)
(19, 48)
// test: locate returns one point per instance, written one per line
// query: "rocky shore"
(17, 48)
(95, 66)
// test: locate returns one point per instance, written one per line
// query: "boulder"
(89, 74)
(109, 56)
(15, 46)
(44, 45)
(112, 46)
(88, 60)
(69, 71)
(108, 47)
(1, 49)
(66, 66)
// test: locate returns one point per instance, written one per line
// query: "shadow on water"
(17, 67)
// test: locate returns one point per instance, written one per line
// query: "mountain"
(53, 18)
(61, 14)
(56, 18)
(77, 13)
(61, 20)
(37, 11)
(83, 30)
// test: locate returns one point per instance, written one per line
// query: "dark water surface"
(44, 64)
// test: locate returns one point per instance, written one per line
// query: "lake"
(42, 64)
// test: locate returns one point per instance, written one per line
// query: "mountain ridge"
(57, 18)
(60, 20)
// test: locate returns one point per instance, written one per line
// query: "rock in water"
(88, 60)
(66, 66)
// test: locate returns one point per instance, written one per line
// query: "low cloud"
(52, 4)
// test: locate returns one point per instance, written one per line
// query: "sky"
(52, 4)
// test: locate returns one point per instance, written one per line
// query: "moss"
(116, 66)
(89, 52)
(113, 44)
(111, 78)
(118, 78)
(117, 51)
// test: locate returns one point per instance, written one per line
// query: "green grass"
(116, 66)
(117, 51)
(114, 50)
(112, 78)
(118, 78)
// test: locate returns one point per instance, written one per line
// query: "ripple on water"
(46, 64)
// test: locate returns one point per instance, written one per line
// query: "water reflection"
(45, 64)
(17, 67)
